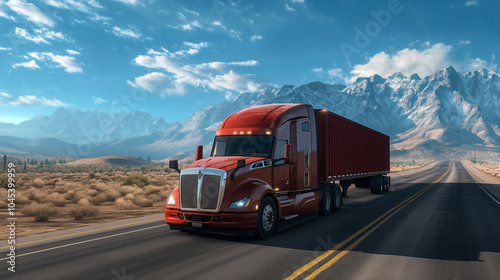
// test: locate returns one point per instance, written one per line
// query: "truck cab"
(261, 174)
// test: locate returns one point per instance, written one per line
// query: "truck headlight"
(244, 202)
(171, 201)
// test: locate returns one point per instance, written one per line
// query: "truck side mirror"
(288, 153)
(240, 164)
(199, 152)
(173, 164)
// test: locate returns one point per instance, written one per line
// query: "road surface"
(437, 222)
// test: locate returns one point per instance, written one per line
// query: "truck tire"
(266, 222)
(376, 186)
(386, 183)
(337, 198)
(325, 203)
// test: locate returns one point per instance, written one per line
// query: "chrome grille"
(201, 189)
(210, 189)
(189, 191)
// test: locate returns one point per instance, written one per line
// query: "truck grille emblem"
(200, 174)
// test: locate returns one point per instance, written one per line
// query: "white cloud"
(288, 8)
(255, 37)
(318, 70)
(192, 12)
(42, 35)
(336, 73)
(67, 62)
(126, 33)
(235, 34)
(130, 2)
(98, 100)
(85, 6)
(30, 64)
(172, 78)
(190, 26)
(32, 12)
(464, 42)
(5, 49)
(477, 64)
(407, 61)
(72, 52)
(217, 23)
(29, 101)
(472, 3)
(298, 1)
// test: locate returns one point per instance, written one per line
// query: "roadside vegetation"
(59, 197)
(402, 166)
(488, 167)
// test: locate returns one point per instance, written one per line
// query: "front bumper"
(234, 222)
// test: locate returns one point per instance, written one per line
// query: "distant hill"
(112, 161)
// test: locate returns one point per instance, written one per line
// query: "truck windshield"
(243, 145)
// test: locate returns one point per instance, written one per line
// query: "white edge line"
(81, 242)
(486, 192)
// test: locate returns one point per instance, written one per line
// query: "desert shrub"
(143, 202)
(159, 183)
(23, 200)
(4, 181)
(91, 175)
(70, 195)
(38, 183)
(128, 189)
(110, 195)
(136, 179)
(36, 194)
(41, 212)
(105, 179)
(123, 204)
(151, 189)
(83, 209)
(96, 200)
(154, 197)
(56, 199)
(130, 196)
(3, 204)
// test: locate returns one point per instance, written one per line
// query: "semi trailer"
(274, 166)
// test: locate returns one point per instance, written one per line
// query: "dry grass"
(491, 168)
(59, 199)
(402, 166)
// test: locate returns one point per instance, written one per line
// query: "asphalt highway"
(438, 222)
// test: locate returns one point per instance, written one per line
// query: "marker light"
(235, 132)
(242, 203)
(268, 132)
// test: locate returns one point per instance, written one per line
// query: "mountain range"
(444, 110)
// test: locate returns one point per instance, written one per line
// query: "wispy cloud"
(464, 42)
(98, 100)
(67, 62)
(29, 101)
(30, 64)
(41, 35)
(255, 37)
(31, 12)
(72, 52)
(288, 8)
(472, 3)
(126, 33)
(89, 7)
(5, 49)
(174, 78)
(129, 2)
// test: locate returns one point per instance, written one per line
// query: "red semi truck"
(274, 166)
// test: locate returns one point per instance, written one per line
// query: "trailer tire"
(376, 185)
(337, 198)
(385, 182)
(325, 203)
(266, 222)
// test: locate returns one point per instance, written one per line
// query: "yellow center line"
(80, 233)
(389, 214)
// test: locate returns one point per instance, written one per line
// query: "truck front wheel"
(266, 223)
(337, 198)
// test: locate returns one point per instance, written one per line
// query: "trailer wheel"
(325, 204)
(376, 185)
(385, 182)
(266, 222)
(337, 198)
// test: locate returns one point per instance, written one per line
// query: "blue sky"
(171, 58)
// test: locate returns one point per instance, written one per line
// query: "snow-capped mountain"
(445, 109)
(75, 126)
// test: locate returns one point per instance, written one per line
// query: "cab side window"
(280, 151)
